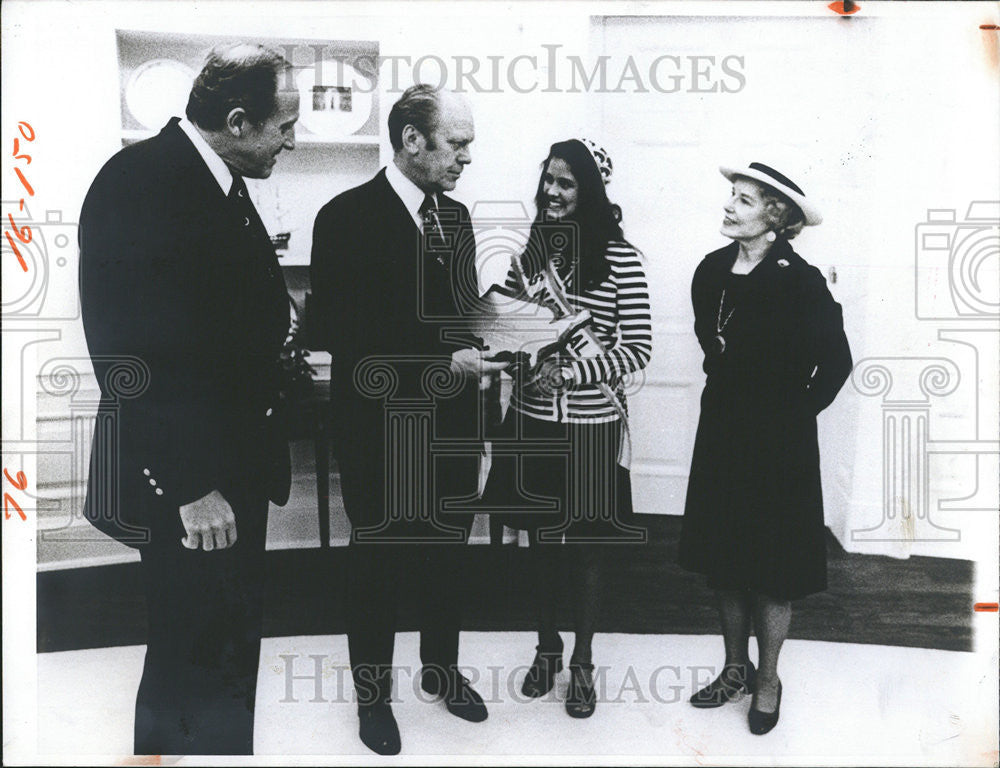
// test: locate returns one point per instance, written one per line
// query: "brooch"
(782, 262)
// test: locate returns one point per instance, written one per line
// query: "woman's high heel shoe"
(542, 673)
(732, 684)
(581, 699)
(762, 722)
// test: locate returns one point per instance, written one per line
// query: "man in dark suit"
(178, 279)
(394, 281)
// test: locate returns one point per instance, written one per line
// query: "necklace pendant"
(722, 343)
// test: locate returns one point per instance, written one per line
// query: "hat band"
(781, 178)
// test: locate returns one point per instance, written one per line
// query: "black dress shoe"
(379, 731)
(459, 697)
(542, 673)
(762, 722)
(581, 699)
(732, 684)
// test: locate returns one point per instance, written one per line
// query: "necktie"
(433, 234)
(239, 197)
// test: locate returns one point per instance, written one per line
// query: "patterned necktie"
(434, 241)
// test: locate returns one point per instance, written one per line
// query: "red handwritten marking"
(20, 258)
(21, 483)
(986, 607)
(8, 501)
(845, 8)
(141, 760)
(24, 238)
(24, 181)
(24, 233)
(17, 146)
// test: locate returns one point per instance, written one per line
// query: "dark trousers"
(199, 680)
(436, 574)
(386, 562)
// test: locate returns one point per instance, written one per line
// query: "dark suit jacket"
(381, 296)
(176, 288)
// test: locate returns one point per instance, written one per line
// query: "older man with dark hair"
(393, 271)
(178, 272)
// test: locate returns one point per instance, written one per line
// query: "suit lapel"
(241, 253)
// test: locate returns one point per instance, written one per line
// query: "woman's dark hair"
(595, 222)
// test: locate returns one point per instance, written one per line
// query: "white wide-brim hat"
(777, 181)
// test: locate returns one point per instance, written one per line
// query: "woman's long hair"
(582, 237)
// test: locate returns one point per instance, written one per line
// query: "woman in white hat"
(556, 460)
(775, 356)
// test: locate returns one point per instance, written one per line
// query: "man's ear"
(236, 121)
(413, 140)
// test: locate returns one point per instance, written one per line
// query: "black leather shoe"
(732, 684)
(459, 697)
(542, 673)
(581, 699)
(762, 722)
(379, 731)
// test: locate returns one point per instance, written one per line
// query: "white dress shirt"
(411, 195)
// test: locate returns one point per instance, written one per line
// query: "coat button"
(269, 411)
(152, 481)
(159, 491)
(145, 472)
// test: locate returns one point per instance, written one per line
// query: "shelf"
(301, 140)
(309, 139)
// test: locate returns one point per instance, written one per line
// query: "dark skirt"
(753, 518)
(561, 481)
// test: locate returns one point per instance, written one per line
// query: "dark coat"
(176, 288)
(754, 511)
(390, 311)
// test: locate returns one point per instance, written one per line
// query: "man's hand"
(209, 523)
(472, 363)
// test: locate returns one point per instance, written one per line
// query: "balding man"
(177, 272)
(393, 276)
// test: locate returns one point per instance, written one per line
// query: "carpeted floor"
(920, 602)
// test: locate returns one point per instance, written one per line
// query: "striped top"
(620, 308)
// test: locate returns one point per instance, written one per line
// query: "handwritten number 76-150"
(23, 234)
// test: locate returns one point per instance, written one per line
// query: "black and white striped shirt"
(620, 308)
